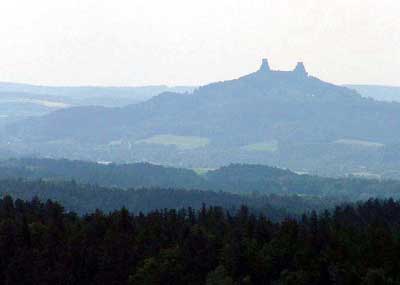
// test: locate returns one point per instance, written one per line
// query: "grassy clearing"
(181, 142)
(367, 175)
(271, 146)
(202, 171)
(359, 142)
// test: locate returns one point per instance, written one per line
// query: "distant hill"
(284, 118)
(235, 178)
(18, 101)
(92, 93)
(21, 101)
(135, 175)
(378, 92)
(84, 198)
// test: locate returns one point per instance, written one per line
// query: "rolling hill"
(19, 101)
(284, 118)
(378, 92)
(234, 178)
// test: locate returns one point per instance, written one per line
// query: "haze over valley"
(200, 142)
(297, 122)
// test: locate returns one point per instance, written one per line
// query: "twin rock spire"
(299, 69)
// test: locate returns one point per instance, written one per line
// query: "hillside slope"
(235, 178)
(284, 118)
(378, 92)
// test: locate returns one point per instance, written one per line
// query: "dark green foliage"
(237, 178)
(113, 175)
(40, 243)
(87, 198)
(263, 179)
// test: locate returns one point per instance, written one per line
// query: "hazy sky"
(175, 42)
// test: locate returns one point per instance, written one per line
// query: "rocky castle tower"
(265, 66)
(299, 70)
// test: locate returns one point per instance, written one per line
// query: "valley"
(294, 119)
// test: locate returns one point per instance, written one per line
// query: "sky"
(185, 42)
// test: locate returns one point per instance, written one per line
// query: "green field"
(202, 170)
(359, 143)
(181, 142)
(270, 146)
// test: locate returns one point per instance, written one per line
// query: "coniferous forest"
(298, 229)
(41, 243)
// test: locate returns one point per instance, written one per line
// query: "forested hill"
(284, 118)
(42, 244)
(112, 175)
(237, 178)
(86, 198)
(278, 105)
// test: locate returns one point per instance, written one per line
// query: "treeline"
(85, 198)
(42, 244)
(249, 178)
(134, 175)
(237, 178)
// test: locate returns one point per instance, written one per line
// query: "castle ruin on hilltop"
(298, 70)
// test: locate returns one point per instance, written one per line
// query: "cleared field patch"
(367, 175)
(202, 170)
(181, 142)
(359, 143)
(270, 146)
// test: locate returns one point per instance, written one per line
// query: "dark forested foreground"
(42, 244)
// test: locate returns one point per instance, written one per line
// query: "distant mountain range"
(378, 92)
(89, 94)
(23, 100)
(284, 118)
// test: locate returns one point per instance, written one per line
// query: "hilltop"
(284, 118)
